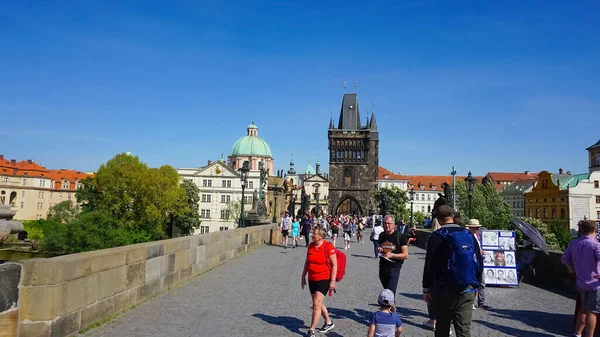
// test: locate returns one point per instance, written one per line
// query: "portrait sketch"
(488, 258)
(499, 259)
(511, 277)
(507, 243)
(509, 258)
(489, 275)
(490, 239)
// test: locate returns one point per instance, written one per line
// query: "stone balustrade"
(59, 296)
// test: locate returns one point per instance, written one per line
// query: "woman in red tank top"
(321, 267)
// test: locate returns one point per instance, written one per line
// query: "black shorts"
(320, 286)
(334, 231)
(284, 232)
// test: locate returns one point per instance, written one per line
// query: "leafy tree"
(234, 212)
(395, 201)
(190, 220)
(63, 212)
(419, 218)
(559, 229)
(140, 198)
(488, 206)
(91, 231)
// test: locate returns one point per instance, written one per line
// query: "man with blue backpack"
(452, 274)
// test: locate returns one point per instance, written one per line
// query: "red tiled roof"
(30, 168)
(508, 176)
(427, 182)
(6, 166)
(71, 175)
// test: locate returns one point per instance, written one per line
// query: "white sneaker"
(474, 307)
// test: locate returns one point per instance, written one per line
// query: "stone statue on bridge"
(444, 199)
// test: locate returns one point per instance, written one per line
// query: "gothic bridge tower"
(353, 160)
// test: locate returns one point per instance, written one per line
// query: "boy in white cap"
(385, 322)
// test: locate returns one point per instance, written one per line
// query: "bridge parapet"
(62, 295)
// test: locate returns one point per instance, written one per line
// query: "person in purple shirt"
(582, 257)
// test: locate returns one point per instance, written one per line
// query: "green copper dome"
(251, 144)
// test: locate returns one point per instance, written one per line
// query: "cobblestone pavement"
(258, 294)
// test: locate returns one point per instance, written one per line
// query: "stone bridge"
(244, 288)
(259, 294)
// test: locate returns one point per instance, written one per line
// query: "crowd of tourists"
(453, 280)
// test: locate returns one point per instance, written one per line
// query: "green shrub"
(563, 235)
(90, 231)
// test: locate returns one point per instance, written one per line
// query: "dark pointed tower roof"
(594, 146)
(331, 124)
(373, 123)
(349, 113)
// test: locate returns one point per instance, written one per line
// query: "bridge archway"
(348, 205)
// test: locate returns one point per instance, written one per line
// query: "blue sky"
(483, 85)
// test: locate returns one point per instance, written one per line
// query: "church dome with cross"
(252, 148)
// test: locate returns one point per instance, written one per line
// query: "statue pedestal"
(255, 219)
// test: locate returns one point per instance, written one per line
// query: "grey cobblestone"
(259, 294)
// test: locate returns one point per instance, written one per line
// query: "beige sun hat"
(473, 223)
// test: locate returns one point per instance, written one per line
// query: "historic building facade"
(353, 160)
(514, 195)
(219, 182)
(30, 189)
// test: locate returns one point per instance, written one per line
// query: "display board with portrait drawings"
(499, 260)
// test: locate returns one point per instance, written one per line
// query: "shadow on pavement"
(517, 332)
(360, 316)
(365, 256)
(413, 296)
(551, 322)
(293, 324)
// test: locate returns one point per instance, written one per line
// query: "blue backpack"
(465, 262)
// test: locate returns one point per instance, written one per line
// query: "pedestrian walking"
(582, 257)
(385, 322)
(321, 267)
(347, 228)
(295, 232)
(335, 230)
(377, 230)
(286, 226)
(305, 228)
(474, 227)
(393, 250)
(452, 275)
(359, 232)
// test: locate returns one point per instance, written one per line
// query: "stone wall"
(59, 296)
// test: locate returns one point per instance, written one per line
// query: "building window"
(41, 195)
(5, 179)
(545, 213)
(562, 213)
(224, 214)
(206, 198)
(596, 184)
(22, 194)
(545, 183)
(203, 229)
(598, 199)
(428, 196)
(223, 228)
(530, 213)
(225, 183)
(205, 213)
(538, 213)
(248, 199)
(40, 205)
(69, 196)
(206, 182)
(65, 185)
(24, 182)
(42, 183)
(554, 213)
(417, 196)
(22, 204)
(59, 196)
(598, 215)
(423, 209)
(225, 198)
(251, 184)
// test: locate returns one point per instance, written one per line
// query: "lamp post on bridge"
(412, 200)
(244, 180)
(470, 184)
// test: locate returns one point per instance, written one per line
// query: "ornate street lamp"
(412, 199)
(470, 184)
(244, 179)
(276, 190)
